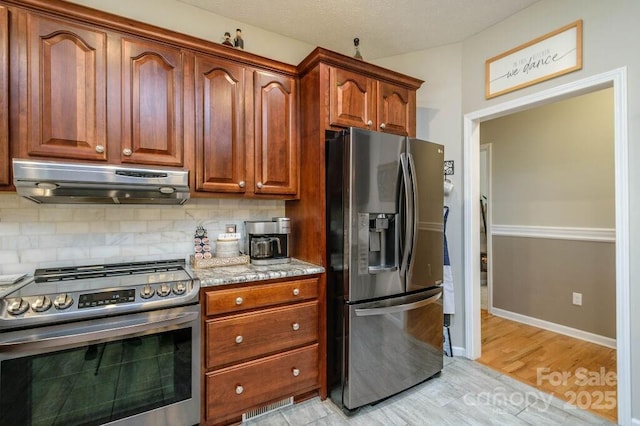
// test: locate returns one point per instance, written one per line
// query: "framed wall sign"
(546, 57)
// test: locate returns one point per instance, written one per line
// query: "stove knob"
(147, 292)
(179, 288)
(17, 306)
(63, 301)
(164, 290)
(41, 304)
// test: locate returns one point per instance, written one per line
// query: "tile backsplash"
(45, 235)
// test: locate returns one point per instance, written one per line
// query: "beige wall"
(553, 165)
(191, 20)
(536, 277)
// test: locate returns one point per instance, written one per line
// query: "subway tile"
(72, 228)
(133, 226)
(147, 214)
(117, 214)
(80, 255)
(104, 227)
(37, 228)
(104, 251)
(159, 225)
(18, 215)
(37, 255)
(11, 228)
(89, 214)
(52, 214)
(173, 214)
(9, 256)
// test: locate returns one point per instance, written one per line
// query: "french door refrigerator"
(385, 255)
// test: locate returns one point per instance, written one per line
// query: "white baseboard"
(459, 351)
(557, 328)
(635, 422)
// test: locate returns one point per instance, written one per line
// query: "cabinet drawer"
(231, 391)
(245, 336)
(257, 296)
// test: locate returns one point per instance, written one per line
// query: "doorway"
(617, 80)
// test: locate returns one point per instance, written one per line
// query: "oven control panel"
(106, 298)
(17, 310)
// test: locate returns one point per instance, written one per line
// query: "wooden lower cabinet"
(234, 390)
(261, 345)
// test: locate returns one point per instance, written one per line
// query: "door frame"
(617, 79)
(488, 173)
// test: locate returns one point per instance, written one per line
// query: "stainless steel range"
(101, 344)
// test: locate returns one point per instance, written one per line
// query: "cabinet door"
(276, 134)
(152, 100)
(220, 126)
(4, 96)
(351, 99)
(66, 79)
(396, 109)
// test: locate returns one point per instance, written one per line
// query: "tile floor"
(466, 393)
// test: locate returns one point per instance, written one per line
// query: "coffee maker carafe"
(268, 242)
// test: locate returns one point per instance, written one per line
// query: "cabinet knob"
(296, 291)
(241, 184)
(369, 123)
(239, 300)
(239, 339)
(295, 326)
(259, 185)
(99, 149)
(127, 152)
(383, 126)
(295, 372)
(239, 389)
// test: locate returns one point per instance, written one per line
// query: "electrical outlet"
(577, 299)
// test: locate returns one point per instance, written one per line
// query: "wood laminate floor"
(576, 371)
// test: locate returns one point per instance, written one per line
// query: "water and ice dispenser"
(377, 243)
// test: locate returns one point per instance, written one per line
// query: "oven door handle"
(104, 329)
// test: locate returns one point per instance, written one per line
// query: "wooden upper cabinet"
(152, 102)
(4, 97)
(276, 134)
(356, 100)
(66, 90)
(396, 111)
(351, 98)
(220, 155)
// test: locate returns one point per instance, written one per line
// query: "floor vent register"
(250, 415)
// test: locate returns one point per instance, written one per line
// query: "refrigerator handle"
(413, 223)
(408, 219)
(397, 308)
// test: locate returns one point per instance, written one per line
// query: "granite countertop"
(245, 273)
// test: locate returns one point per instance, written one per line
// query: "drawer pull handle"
(239, 389)
(295, 326)
(239, 339)
(296, 291)
(295, 372)
(239, 300)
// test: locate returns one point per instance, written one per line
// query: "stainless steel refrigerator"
(385, 251)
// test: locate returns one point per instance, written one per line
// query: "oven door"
(137, 369)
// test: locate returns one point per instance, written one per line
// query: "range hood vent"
(76, 183)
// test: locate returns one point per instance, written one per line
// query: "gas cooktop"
(80, 292)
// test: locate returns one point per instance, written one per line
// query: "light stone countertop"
(245, 273)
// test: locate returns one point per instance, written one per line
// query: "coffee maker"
(268, 242)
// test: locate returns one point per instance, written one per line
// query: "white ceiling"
(384, 27)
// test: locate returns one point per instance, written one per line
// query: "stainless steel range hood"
(75, 183)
